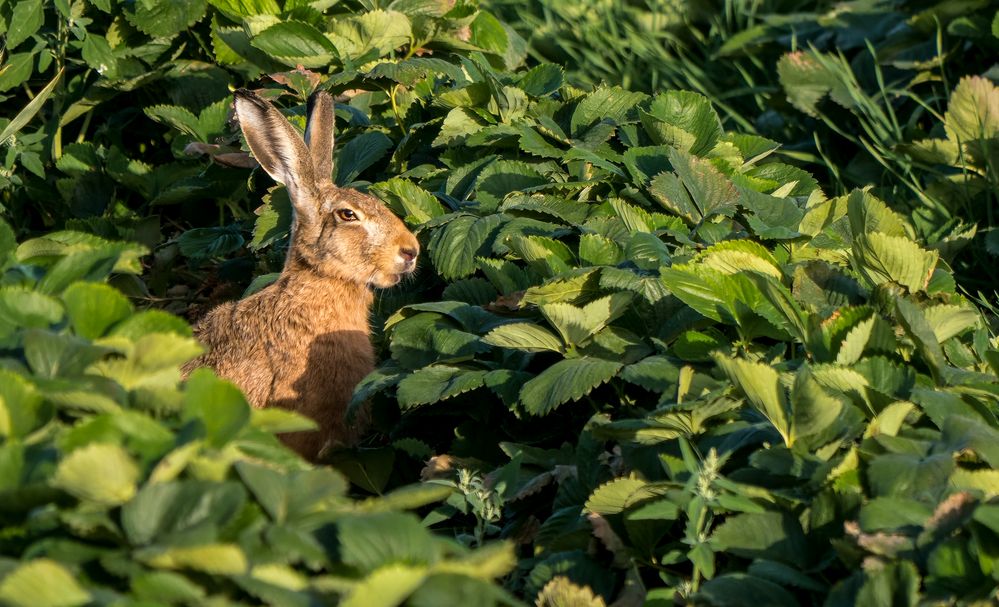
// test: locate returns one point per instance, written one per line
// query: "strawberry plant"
(120, 485)
(847, 87)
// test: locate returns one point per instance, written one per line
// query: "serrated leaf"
(454, 248)
(100, 473)
(163, 510)
(237, 9)
(42, 583)
(682, 120)
(166, 19)
(376, 31)
(882, 258)
(370, 541)
(577, 325)
(566, 380)
(436, 383)
(26, 19)
(806, 80)
(542, 80)
(523, 336)
(711, 191)
(761, 385)
(813, 410)
(948, 320)
(973, 111)
(93, 307)
(733, 256)
(386, 586)
(415, 204)
(296, 43)
(773, 535)
(359, 154)
(740, 589)
(596, 250)
(613, 497)
(218, 559)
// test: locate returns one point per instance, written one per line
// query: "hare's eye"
(346, 215)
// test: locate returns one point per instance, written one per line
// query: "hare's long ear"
(278, 148)
(319, 133)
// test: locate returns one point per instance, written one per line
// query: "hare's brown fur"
(302, 343)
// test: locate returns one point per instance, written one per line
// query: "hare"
(303, 342)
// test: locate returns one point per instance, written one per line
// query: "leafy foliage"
(120, 483)
(858, 91)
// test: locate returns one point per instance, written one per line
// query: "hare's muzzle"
(407, 258)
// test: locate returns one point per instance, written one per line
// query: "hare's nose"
(408, 254)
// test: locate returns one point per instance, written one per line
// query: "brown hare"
(303, 343)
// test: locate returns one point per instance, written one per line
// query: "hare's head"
(337, 232)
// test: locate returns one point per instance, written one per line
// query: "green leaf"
(237, 9)
(93, 308)
(360, 153)
(813, 410)
(28, 309)
(973, 111)
(168, 587)
(614, 497)
(276, 421)
(523, 336)
(99, 56)
(919, 330)
(882, 258)
(761, 385)
(218, 559)
(910, 476)
(296, 43)
(100, 473)
(702, 190)
(436, 383)
(20, 405)
(147, 322)
(682, 120)
(370, 541)
(772, 535)
(806, 80)
(542, 80)
(547, 256)
(578, 325)
(166, 19)
(218, 406)
(27, 18)
(502, 178)
(566, 380)
(605, 103)
(375, 31)
(949, 320)
(179, 118)
(42, 583)
(162, 513)
(386, 586)
(740, 590)
(596, 250)
(415, 204)
(454, 248)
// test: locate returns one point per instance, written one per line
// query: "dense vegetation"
(858, 92)
(645, 357)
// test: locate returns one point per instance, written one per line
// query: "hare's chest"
(328, 366)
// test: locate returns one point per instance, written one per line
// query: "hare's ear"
(319, 133)
(278, 147)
